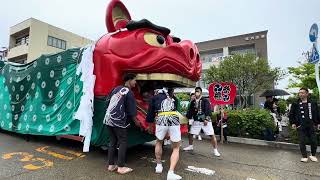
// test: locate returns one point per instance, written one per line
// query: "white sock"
(170, 172)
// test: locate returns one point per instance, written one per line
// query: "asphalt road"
(47, 158)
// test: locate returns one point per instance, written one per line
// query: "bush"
(251, 123)
(282, 106)
(183, 96)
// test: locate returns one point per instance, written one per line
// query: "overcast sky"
(288, 21)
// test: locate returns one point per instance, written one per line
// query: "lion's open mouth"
(148, 83)
(166, 80)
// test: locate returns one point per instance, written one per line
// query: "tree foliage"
(304, 76)
(249, 73)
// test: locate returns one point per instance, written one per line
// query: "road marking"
(26, 157)
(205, 171)
(46, 164)
(80, 155)
(54, 154)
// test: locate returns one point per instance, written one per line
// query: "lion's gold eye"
(155, 39)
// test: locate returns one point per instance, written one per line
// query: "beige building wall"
(38, 32)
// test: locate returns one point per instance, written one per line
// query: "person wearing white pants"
(199, 118)
(163, 110)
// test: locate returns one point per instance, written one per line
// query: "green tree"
(249, 73)
(304, 76)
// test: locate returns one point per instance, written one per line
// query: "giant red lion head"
(146, 49)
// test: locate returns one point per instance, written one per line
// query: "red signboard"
(222, 93)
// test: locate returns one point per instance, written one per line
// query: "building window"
(22, 40)
(245, 49)
(212, 55)
(57, 43)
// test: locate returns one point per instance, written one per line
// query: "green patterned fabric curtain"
(41, 97)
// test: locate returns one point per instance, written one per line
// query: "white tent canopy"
(205, 92)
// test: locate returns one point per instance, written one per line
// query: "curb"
(258, 142)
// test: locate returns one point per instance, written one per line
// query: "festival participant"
(199, 112)
(304, 117)
(163, 110)
(122, 104)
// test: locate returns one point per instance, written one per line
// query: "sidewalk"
(258, 142)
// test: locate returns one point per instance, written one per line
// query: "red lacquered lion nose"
(192, 52)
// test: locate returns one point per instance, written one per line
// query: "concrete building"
(212, 52)
(31, 38)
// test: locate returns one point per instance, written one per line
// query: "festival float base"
(43, 98)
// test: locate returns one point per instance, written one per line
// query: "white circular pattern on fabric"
(8, 115)
(75, 55)
(17, 97)
(59, 58)
(16, 117)
(10, 125)
(2, 123)
(13, 88)
(3, 80)
(69, 81)
(38, 75)
(5, 107)
(28, 77)
(27, 127)
(21, 87)
(35, 64)
(34, 118)
(67, 128)
(43, 84)
(69, 105)
(47, 61)
(12, 107)
(59, 117)
(55, 107)
(10, 97)
(10, 80)
(57, 83)
(61, 92)
(25, 117)
(18, 79)
(27, 96)
(77, 88)
(19, 126)
(51, 128)
(31, 108)
(6, 89)
(43, 107)
(33, 85)
(36, 95)
(64, 71)
(50, 94)
(52, 73)
(22, 108)
(48, 118)
(40, 128)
